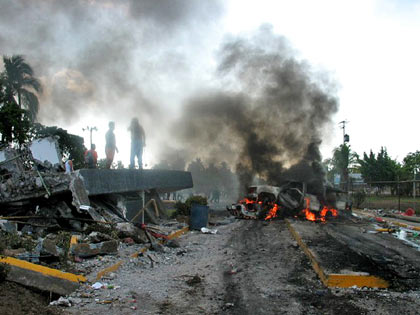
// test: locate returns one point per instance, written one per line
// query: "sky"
(114, 60)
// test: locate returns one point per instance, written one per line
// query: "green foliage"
(69, 144)
(380, 167)
(18, 77)
(358, 198)
(14, 123)
(14, 241)
(184, 208)
(411, 165)
(343, 162)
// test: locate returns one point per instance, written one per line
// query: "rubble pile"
(50, 220)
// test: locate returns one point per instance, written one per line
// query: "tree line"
(19, 106)
(378, 169)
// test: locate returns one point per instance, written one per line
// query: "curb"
(42, 269)
(334, 280)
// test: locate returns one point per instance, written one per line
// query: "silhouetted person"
(111, 145)
(91, 157)
(69, 165)
(138, 142)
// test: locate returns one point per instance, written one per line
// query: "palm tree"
(344, 159)
(19, 81)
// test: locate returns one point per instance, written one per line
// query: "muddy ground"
(248, 267)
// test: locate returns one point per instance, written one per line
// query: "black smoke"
(268, 119)
(103, 56)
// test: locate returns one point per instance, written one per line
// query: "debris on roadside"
(53, 220)
(208, 231)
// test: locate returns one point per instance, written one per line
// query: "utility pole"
(346, 137)
(346, 176)
(90, 129)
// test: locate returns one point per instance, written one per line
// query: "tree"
(411, 165)
(18, 77)
(69, 144)
(343, 161)
(14, 123)
(379, 168)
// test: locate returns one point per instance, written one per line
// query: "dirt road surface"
(248, 267)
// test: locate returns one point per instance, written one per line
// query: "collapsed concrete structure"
(39, 202)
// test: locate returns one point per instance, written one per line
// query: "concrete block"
(89, 250)
(100, 181)
(40, 277)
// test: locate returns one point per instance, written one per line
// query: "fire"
(247, 201)
(272, 213)
(325, 211)
(311, 216)
(308, 213)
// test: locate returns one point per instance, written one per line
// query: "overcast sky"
(112, 60)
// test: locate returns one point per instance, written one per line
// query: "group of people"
(138, 142)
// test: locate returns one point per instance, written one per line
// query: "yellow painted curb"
(178, 233)
(109, 269)
(311, 256)
(117, 265)
(336, 280)
(347, 281)
(42, 269)
(74, 239)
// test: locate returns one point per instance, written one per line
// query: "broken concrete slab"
(46, 149)
(100, 181)
(8, 227)
(40, 277)
(88, 250)
(126, 229)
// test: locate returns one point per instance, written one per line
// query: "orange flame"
(325, 211)
(247, 201)
(272, 213)
(308, 213)
(311, 216)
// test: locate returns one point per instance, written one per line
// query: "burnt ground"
(248, 267)
(276, 277)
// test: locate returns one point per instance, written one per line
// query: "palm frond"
(30, 101)
(33, 83)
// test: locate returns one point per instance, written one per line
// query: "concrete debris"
(88, 250)
(61, 302)
(49, 218)
(97, 237)
(126, 229)
(208, 231)
(8, 227)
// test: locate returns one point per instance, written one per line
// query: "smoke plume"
(269, 118)
(116, 57)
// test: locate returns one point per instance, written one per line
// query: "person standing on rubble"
(138, 142)
(91, 157)
(69, 165)
(111, 145)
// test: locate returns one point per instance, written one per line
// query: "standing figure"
(91, 157)
(138, 142)
(69, 165)
(111, 145)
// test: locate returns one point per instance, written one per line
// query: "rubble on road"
(52, 228)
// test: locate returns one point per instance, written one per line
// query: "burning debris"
(292, 199)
